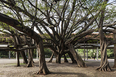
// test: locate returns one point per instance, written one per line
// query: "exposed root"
(18, 66)
(104, 68)
(74, 62)
(30, 65)
(43, 72)
(82, 65)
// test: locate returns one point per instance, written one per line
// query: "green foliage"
(80, 52)
(92, 53)
(9, 13)
(48, 52)
(3, 54)
(13, 54)
(46, 12)
(110, 53)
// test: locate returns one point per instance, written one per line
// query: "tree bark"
(42, 64)
(16, 43)
(30, 58)
(14, 23)
(104, 65)
(51, 58)
(18, 62)
(58, 58)
(78, 59)
(72, 58)
(24, 57)
(114, 52)
(65, 59)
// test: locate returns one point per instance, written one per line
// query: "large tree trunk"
(72, 58)
(18, 62)
(58, 55)
(104, 65)
(14, 23)
(78, 59)
(24, 57)
(58, 58)
(114, 52)
(42, 64)
(30, 58)
(65, 59)
(51, 58)
(16, 43)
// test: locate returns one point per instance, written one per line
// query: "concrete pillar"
(9, 54)
(87, 54)
(37, 54)
(84, 50)
(94, 54)
(97, 53)
(84, 53)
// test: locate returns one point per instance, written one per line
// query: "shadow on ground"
(70, 73)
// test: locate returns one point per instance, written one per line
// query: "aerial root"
(84, 65)
(104, 68)
(43, 71)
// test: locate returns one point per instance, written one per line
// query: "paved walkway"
(3, 61)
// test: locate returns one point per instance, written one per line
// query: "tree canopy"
(61, 24)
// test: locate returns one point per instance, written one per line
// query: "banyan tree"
(19, 43)
(104, 28)
(63, 22)
(61, 25)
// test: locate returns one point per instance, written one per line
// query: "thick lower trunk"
(18, 62)
(58, 58)
(42, 63)
(51, 58)
(14, 23)
(72, 58)
(104, 65)
(114, 52)
(114, 56)
(24, 57)
(78, 59)
(30, 58)
(65, 59)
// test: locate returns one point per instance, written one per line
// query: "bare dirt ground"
(9, 69)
